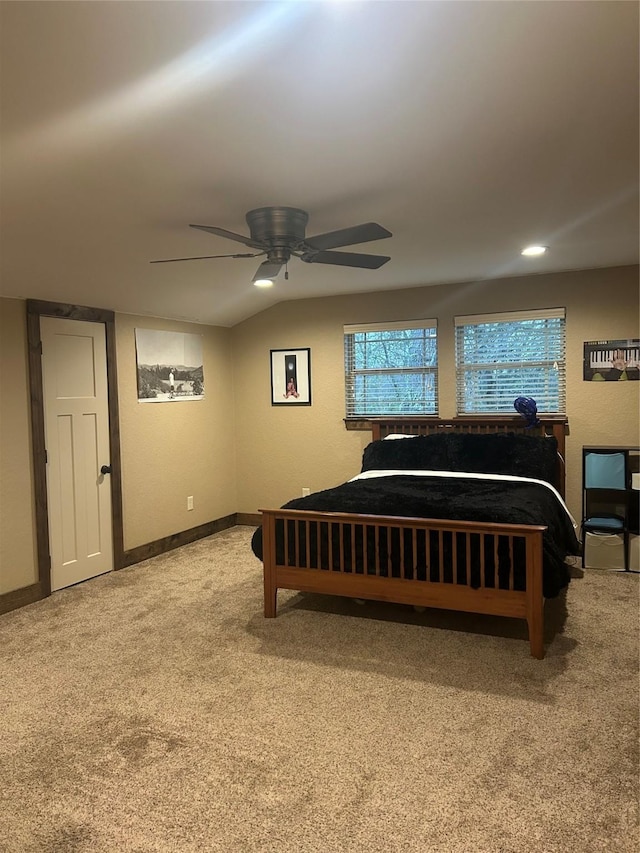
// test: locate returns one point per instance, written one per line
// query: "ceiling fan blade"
(230, 235)
(268, 269)
(347, 259)
(349, 236)
(206, 257)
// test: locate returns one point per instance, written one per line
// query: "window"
(391, 368)
(503, 356)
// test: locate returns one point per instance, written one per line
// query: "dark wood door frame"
(35, 310)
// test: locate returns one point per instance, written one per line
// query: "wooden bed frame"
(297, 572)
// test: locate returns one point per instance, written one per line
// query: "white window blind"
(503, 356)
(391, 368)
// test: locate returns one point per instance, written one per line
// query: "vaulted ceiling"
(468, 129)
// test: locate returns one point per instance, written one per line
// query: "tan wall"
(169, 450)
(172, 450)
(18, 563)
(283, 450)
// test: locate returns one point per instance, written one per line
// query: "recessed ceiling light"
(263, 282)
(533, 251)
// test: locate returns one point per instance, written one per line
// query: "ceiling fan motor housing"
(278, 226)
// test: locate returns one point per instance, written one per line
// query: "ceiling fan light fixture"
(280, 233)
(534, 251)
(263, 282)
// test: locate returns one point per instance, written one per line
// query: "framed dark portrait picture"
(291, 377)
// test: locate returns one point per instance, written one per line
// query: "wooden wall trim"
(117, 514)
(28, 594)
(20, 597)
(176, 540)
(69, 312)
(251, 519)
(38, 446)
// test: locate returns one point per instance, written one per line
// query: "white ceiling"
(468, 129)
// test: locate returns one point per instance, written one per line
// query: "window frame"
(352, 372)
(504, 403)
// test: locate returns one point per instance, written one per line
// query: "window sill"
(357, 423)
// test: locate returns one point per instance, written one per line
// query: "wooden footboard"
(455, 565)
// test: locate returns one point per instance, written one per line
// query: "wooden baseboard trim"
(20, 597)
(176, 540)
(252, 519)
(29, 594)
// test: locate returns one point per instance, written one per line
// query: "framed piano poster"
(611, 361)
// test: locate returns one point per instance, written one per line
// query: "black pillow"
(517, 454)
(420, 452)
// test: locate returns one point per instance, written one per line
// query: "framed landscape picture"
(291, 377)
(169, 366)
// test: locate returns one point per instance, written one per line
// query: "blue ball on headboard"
(528, 408)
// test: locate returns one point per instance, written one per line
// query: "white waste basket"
(604, 551)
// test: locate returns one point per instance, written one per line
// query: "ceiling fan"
(279, 233)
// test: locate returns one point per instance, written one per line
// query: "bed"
(464, 514)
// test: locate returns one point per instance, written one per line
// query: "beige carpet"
(155, 709)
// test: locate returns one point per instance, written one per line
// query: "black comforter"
(501, 501)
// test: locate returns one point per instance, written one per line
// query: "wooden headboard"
(554, 425)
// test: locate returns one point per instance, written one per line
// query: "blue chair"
(605, 497)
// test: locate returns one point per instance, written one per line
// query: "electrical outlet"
(190, 502)
(306, 492)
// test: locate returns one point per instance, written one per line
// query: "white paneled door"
(74, 369)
